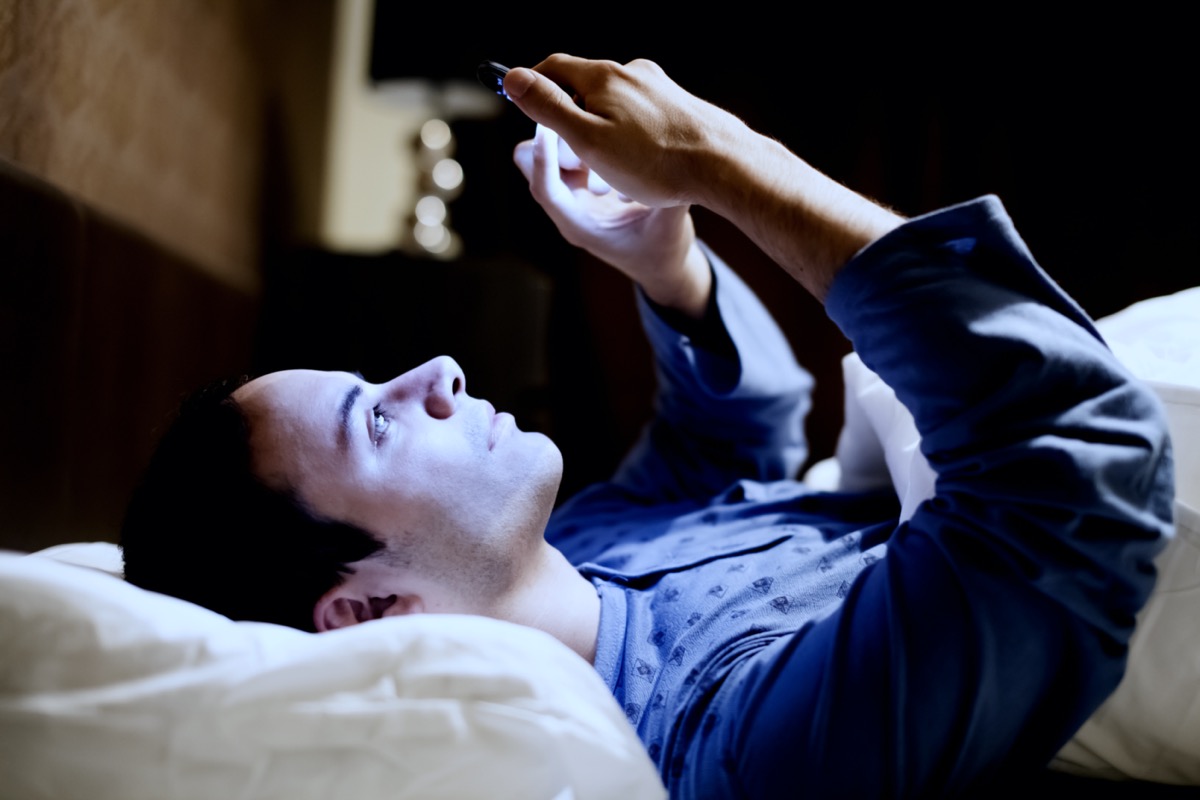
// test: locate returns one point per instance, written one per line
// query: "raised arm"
(1000, 617)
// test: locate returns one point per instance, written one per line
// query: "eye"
(381, 423)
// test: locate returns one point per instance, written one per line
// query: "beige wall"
(148, 110)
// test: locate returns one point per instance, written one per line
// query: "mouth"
(502, 424)
(498, 424)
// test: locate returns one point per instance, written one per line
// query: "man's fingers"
(566, 156)
(541, 99)
(546, 180)
(523, 158)
(517, 82)
(597, 185)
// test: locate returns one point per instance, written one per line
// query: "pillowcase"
(110, 691)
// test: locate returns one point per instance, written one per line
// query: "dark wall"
(1082, 131)
(102, 331)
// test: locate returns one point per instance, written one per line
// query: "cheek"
(357, 505)
(449, 485)
(431, 484)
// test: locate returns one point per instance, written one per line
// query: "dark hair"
(202, 527)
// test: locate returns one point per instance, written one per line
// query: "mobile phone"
(491, 75)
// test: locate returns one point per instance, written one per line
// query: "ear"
(354, 601)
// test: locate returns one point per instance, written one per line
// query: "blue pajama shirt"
(767, 640)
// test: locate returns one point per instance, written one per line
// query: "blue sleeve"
(719, 416)
(1000, 617)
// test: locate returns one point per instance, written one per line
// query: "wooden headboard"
(103, 331)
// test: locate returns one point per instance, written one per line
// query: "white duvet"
(108, 691)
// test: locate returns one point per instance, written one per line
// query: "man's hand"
(663, 132)
(656, 247)
(660, 145)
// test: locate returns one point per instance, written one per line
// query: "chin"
(542, 479)
(553, 469)
(543, 454)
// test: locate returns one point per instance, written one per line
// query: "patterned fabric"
(763, 637)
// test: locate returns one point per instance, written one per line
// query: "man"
(764, 639)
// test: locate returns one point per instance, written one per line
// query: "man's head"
(303, 491)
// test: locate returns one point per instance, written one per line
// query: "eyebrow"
(344, 414)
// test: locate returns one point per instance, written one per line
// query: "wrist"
(715, 168)
(808, 223)
(686, 289)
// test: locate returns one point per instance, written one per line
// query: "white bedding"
(108, 691)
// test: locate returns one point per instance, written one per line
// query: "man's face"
(456, 491)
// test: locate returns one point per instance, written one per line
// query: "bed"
(108, 691)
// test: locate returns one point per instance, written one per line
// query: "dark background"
(1082, 127)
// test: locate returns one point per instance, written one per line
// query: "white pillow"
(1159, 340)
(110, 691)
(1149, 729)
(879, 442)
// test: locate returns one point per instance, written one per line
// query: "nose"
(438, 384)
(447, 384)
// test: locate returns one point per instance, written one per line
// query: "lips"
(494, 423)
(501, 423)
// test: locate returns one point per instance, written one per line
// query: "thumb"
(523, 158)
(541, 99)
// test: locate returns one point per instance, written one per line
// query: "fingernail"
(517, 82)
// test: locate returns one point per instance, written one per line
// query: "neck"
(558, 600)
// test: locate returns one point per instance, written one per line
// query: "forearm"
(686, 290)
(809, 224)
